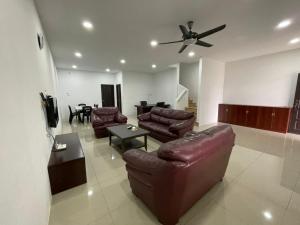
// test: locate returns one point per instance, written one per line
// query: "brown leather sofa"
(106, 117)
(167, 124)
(169, 181)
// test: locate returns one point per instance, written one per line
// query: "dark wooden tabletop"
(122, 132)
(74, 149)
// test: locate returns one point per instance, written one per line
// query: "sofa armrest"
(144, 116)
(96, 121)
(120, 118)
(143, 161)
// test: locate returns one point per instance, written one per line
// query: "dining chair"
(72, 114)
(160, 104)
(86, 112)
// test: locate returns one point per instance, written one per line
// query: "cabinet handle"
(226, 110)
(247, 112)
(273, 114)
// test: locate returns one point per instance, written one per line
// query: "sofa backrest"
(198, 145)
(169, 116)
(107, 114)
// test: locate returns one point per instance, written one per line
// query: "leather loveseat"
(106, 117)
(167, 124)
(169, 181)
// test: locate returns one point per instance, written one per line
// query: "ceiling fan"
(190, 37)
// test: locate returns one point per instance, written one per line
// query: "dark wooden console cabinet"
(67, 168)
(260, 117)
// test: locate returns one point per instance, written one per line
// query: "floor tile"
(261, 184)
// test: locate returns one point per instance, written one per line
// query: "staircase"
(192, 107)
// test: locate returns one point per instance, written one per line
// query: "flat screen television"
(50, 104)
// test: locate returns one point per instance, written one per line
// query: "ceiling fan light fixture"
(191, 54)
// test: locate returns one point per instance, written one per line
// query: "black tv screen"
(51, 110)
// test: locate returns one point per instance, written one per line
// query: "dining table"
(78, 109)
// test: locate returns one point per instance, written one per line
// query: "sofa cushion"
(108, 118)
(157, 127)
(197, 145)
(161, 119)
(172, 113)
(105, 111)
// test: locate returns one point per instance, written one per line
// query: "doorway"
(295, 116)
(108, 95)
(119, 97)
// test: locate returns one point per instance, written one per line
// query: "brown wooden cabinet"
(261, 117)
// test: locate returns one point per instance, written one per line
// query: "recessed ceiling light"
(78, 54)
(283, 24)
(154, 43)
(267, 215)
(107, 70)
(90, 192)
(294, 41)
(74, 67)
(154, 66)
(123, 61)
(191, 54)
(87, 25)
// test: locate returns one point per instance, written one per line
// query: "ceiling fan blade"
(171, 42)
(202, 43)
(184, 31)
(182, 48)
(212, 31)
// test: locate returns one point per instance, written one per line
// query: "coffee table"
(126, 138)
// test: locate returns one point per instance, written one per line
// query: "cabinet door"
(280, 119)
(233, 114)
(242, 115)
(222, 113)
(264, 118)
(251, 116)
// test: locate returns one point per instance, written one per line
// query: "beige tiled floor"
(261, 185)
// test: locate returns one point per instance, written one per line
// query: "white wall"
(211, 90)
(136, 87)
(81, 87)
(165, 86)
(266, 80)
(189, 77)
(25, 148)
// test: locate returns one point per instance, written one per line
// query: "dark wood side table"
(66, 168)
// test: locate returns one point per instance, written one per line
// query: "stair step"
(191, 108)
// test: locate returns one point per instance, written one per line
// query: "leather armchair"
(173, 178)
(106, 117)
(167, 124)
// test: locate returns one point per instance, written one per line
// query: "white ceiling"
(124, 28)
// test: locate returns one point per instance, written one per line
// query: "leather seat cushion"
(157, 127)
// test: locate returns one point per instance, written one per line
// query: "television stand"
(66, 168)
